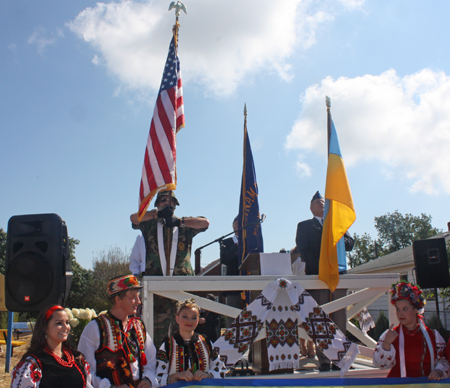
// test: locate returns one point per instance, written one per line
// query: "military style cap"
(317, 196)
(161, 193)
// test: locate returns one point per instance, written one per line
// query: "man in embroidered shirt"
(168, 244)
(117, 347)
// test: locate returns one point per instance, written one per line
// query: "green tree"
(106, 265)
(381, 325)
(2, 251)
(80, 289)
(397, 231)
(394, 231)
(364, 250)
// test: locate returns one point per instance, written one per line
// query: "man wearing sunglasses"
(168, 244)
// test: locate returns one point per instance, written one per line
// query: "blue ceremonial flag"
(250, 239)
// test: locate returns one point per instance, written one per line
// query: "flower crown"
(407, 291)
(186, 303)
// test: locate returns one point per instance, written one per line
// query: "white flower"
(69, 313)
(75, 312)
(84, 314)
(103, 312)
(74, 322)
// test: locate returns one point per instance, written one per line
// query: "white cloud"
(353, 4)
(96, 60)
(402, 122)
(303, 169)
(41, 38)
(222, 42)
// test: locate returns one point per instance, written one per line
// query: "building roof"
(401, 257)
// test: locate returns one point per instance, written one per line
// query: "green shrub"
(381, 325)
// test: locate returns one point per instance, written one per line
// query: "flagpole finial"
(179, 6)
(328, 101)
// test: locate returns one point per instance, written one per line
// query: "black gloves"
(166, 213)
(173, 221)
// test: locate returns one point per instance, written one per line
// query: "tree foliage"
(364, 250)
(397, 231)
(394, 231)
(2, 251)
(106, 265)
(381, 325)
(80, 290)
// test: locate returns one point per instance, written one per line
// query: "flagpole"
(328, 104)
(178, 6)
(244, 231)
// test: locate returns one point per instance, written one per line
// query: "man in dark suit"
(229, 257)
(308, 240)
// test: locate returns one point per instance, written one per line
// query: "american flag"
(159, 170)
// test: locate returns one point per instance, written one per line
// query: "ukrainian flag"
(339, 213)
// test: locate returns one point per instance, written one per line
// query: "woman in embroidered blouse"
(187, 355)
(411, 349)
(50, 360)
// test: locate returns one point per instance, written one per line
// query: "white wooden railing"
(366, 289)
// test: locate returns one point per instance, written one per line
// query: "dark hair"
(38, 339)
(188, 304)
(121, 295)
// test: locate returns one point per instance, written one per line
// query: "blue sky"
(79, 81)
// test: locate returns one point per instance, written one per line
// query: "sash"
(173, 249)
(401, 345)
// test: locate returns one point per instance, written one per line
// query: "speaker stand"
(9, 341)
(437, 310)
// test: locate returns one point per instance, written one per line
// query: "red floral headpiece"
(407, 291)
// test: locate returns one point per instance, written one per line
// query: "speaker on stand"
(38, 270)
(431, 262)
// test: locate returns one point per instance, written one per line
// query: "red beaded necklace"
(68, 364)
(412, 332)
(70, 359)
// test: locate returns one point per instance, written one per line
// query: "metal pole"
(437, 309)
(9, 341)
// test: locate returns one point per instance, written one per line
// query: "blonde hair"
(187, 303)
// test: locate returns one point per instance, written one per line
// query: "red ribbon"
(51, 310)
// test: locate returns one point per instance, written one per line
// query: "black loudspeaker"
(430, 259)
(38, 269)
